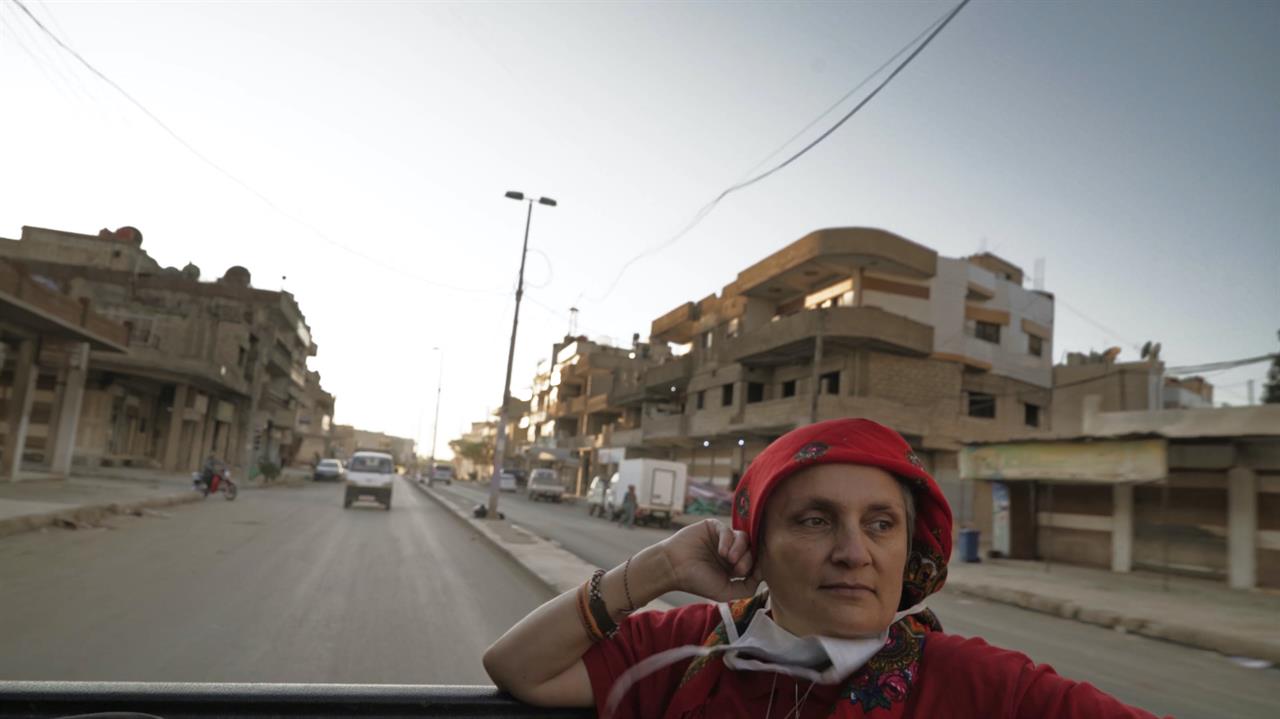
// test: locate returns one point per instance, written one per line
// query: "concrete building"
(212, 367)
(846, 322)
(314, 422)
(1185, 491)
(574, 413)
(46, 338)
(347, 440)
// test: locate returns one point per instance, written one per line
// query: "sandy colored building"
(846, 322)
(212, 367)
(1183, 491)
(45, 341)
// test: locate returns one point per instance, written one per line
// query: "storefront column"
(21, 396)
(1122, 528)
(174, 438)
(1242, 528)
(68, 410)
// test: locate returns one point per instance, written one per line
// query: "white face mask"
(767, 647)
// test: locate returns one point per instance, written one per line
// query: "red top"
(958, 677)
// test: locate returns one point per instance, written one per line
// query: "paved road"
(281, 585)
(1158, 676)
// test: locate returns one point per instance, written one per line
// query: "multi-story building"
(211, 368)
(573, 412)
(847, 322)
(347, 440)
(314, 422)
(45, 341)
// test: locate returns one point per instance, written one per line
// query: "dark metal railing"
(173, 700)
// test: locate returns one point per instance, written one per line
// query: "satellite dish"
(1111, 354)
(1146, 349)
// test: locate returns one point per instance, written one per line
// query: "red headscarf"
(855, 441)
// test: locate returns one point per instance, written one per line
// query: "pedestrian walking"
(629, 508)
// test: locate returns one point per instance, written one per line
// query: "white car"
(440, 473)
(507, 482)
(543, 484)
(370, 474)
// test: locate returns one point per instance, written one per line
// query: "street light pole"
(435, 423)
(500, 441)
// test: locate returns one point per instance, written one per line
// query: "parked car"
(597, 494)
(328, 470)
(507, 482)
(370, 474)
(440, 473)
(544, 484)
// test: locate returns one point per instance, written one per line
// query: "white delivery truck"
(660, 487)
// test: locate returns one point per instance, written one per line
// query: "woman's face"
(834, 550)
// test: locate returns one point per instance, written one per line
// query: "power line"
(227, 174)
(1220, 366)
(710, 206)
(1110, 332)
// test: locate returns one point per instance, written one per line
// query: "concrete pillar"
(1242, 528)
(1122, 528)
(68, 410)
(21, 397)
(174, 438)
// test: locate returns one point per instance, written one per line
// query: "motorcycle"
(219, 482)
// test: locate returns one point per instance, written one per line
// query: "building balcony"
(672, 373)
(598, 403)
(632, 437)
(566, 408)
(676, 325)
(793, 338)
(665, 429)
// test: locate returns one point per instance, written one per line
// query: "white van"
(660, 488)
(370, 474)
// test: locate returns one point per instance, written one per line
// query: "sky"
(362, 152)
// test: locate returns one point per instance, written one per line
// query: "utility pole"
(500, 440)
(435, 423)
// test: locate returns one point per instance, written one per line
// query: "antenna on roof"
(573, 321)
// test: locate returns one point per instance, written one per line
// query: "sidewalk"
(92, 494)
(1200, 613)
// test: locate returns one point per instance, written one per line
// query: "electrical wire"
(398, 269)
(706, 210)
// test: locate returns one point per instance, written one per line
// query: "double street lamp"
(500, 441)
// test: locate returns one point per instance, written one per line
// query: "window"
(789, 388)
(830, 383)
(1032, 415)
(755, 392)
(701, 400)
(1035, 346)
(707, 339)
(982, 405)
(726, 395)
(733, 328)
(988, 331)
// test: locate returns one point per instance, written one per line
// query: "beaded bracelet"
(584, 613)
(600, 612)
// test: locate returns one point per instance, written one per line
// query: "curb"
(1228, 644)
(557, 568)
(90, 514)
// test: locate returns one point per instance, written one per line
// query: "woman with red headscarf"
(849, 534)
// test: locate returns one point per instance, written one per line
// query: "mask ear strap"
(730, 627)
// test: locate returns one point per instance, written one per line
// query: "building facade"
(1182, 491)
(211, 368)
(845, 322)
